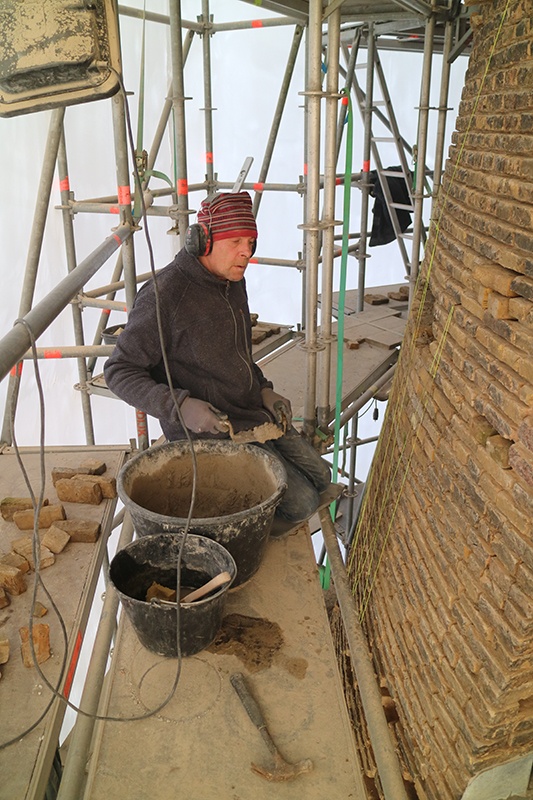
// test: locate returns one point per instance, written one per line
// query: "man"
(205, 322)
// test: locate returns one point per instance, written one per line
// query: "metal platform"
(71, 581)
(201, 745)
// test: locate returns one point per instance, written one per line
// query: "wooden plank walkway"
(201, 745)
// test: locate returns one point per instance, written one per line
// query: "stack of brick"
(442, 564)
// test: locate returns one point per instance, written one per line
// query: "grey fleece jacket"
(207, 334)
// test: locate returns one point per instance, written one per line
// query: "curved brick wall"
(442, 564)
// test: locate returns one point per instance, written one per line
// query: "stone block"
(24, 547)
(49, 514)
(108, 486)
(498, 449)
(16, 560)
(87, 467)
(41, 644)
(12, 579)
(9, 505)
(80, 530)
(4, 598)
(4, 651)
(55, 539)
(77, 490)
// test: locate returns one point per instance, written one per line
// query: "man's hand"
(201, 417)
(279, 407)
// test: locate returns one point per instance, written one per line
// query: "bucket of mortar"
(238, 489)
(153, 559)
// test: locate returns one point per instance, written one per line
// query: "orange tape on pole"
(257, 23)
(114, 210)
(72, 666)
(64, 185)
(16, 371)
(124, 195)
(209, 158)
(182, 186)
(259, 187)
(366, 166)
(52, 354)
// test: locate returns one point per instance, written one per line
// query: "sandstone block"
(41, 644)
(498, 448)
(55, 539)
(108, 486)
(4, 651)
(80, 530)
(90, 466)
(4, 599)
(39, 610)
(16, 560)
(376, 299)
(49, 514)
(76, 490)
(24, 547)
(497, 278)
(9, 505)
(12, 579)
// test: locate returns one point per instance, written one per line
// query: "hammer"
(281, 770)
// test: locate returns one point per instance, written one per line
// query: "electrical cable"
(36, 554)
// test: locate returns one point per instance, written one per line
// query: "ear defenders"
(198, 240)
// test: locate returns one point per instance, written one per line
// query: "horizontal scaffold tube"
(14, 344)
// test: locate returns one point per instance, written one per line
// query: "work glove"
(279, 407)
(201, 417)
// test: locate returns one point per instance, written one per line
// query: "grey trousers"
(307, 475)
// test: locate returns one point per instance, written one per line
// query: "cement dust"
(257, 642)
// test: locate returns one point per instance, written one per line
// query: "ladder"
(383, 111)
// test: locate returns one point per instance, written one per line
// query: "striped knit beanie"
(228, 215)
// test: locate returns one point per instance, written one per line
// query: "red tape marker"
(117, 238)
(366, 166)
(259, 187)
(257, 23)
(16, 371)
(305, 169)
(53, 353)
(182, 186)
(124, 195)
(344, 101)
(114, 210)
(64, 185)
(73, 664)
(209, 158)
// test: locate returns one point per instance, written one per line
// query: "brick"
(55, 539)
(108, 486)
(24, 547)
(16, 560)
(521, 460)
(498, 449)
(80, 530)
(88, 467)
(4, 598)
(520, 309)
(41, 644)
(523, 286)
(24, 519)
(76, 490)
(12, 579)
(4, 651)
(525, 432)
(9, 505)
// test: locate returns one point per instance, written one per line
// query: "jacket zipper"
(235, 325)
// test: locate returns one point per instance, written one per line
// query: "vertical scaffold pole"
(178, 105)
(126, 218)
(367, 149)
(421, 152)
(443, 107)
(70, 249)
(314, 93)
(328, 216)
(34, 248)
(208, 101)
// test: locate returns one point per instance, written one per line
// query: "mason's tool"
(214, 583)
(281, 770)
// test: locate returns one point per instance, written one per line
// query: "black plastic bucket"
(238, 490)
(151, 559)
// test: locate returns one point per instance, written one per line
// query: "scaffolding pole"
(312, 225)
(328, 217)
(178, 106)
(34, 249)
(367, 149)
(443, 107)
(77, 321)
